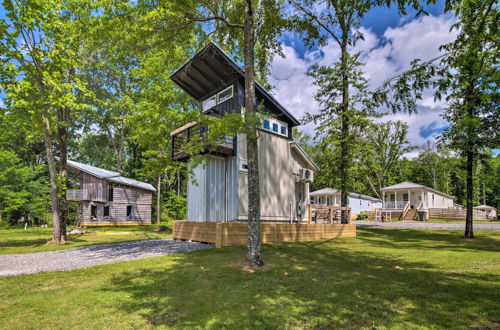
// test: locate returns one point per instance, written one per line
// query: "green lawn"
(35, 239)
(403, 279)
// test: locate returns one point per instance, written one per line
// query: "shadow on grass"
(309, 285)
(428, 240)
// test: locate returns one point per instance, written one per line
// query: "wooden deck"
(235, 233)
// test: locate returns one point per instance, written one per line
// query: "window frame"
(224, 90)
(273, 122)
(214, 97)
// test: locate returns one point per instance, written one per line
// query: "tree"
(467, 76)
(386, 144)
(345, 99)
(40, 55)
(238, 21)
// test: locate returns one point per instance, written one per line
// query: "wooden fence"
(455, 214)
(235, 233)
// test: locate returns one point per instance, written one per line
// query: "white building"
(490, 211)
(397, 196)
(357, 202)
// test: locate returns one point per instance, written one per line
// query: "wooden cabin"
(105, 198)
(217, 192)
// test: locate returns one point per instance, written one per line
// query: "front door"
(300, 200)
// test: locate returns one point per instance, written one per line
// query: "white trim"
(229, 97)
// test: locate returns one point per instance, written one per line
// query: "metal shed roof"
(485, 207)
(109, 175)
(330, 191)
(409, 185)
(211, 67)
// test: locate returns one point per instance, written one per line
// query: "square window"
(275, 127)
(283, 130)
(267, 124)
(209, 103)
(225, 94)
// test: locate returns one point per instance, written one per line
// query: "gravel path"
(15, 264)
(426, 225)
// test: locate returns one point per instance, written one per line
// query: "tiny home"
(414, 196)
(105, 198)
(218, 190)
(490, 211)
(357, 202)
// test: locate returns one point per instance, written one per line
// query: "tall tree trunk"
(470, 190)
(344, 143)
(56, 228)
(158, 201)
(254, 255)
(63, 172)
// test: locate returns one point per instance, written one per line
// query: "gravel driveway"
(426, 225)
(15, 264)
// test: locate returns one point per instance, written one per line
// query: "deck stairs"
(411, 214)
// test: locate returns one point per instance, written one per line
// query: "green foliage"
(23, 190)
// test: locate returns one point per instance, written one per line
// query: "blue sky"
(391, 43)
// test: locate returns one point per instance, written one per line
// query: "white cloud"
(384, 56)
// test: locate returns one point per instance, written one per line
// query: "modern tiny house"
(105, 198)
(357, 202)
(218, 190)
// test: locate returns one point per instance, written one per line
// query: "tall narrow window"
(129, 211)
(93, 211)
(110, 192)
(106, 211)
(283, 130)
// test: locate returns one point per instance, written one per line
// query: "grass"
(400, 279)
(35, 239)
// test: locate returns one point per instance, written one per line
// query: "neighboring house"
(106, 198)
(357, 202)
(490, 211)
(414, 196)
(218, 190)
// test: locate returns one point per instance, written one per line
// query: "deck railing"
(196, 132)
(395, 205)
(323, 214)
(77, 195)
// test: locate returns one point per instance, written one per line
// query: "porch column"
(423, 201)
(395, 199)
(383, 199)
(409, 196)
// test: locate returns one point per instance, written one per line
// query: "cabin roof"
(485, 207)
(331, 192)
(304, 155)
(211, 67)
(409, 185)
(109, 175)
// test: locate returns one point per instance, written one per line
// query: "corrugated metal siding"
(207, 199)
(196, 206)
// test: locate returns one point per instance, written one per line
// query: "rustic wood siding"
(97, 189)
(139, 199)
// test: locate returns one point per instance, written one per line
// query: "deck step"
(411, 214)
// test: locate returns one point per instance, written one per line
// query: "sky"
(391, 43)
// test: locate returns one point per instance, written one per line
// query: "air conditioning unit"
(305, 175)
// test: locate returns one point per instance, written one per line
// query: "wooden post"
(309, 214)
(218, 235)
(330, 216)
